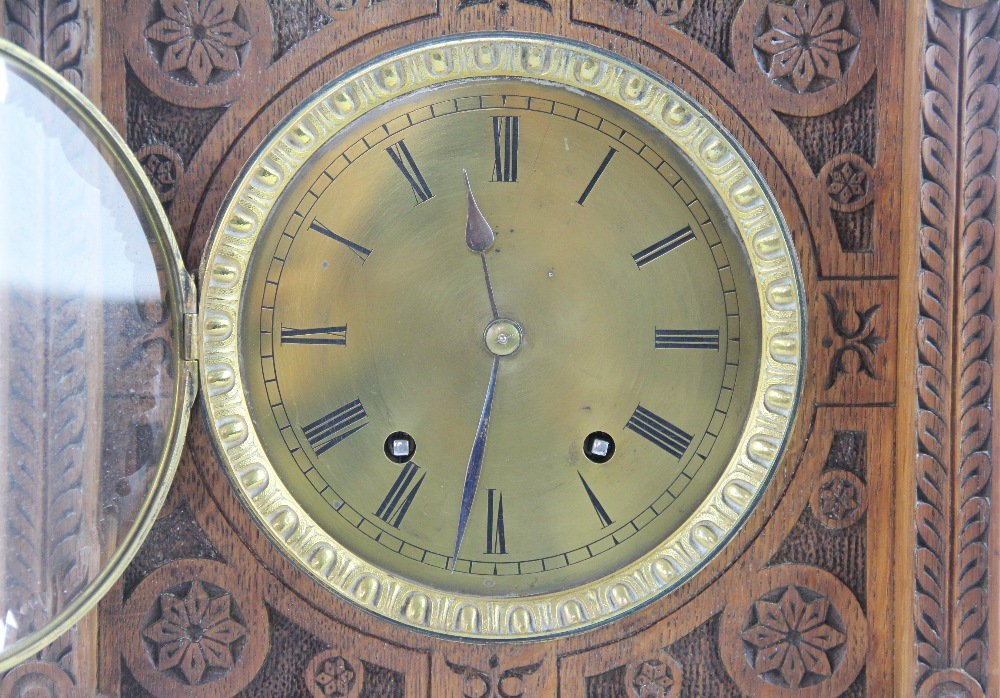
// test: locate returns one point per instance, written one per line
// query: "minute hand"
(475, 461)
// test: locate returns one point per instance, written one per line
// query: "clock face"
(509, 357)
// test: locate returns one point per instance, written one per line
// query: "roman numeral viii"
(496, 538)
(671, 242)
(659, 431)
(315, 335)
(400, 155)
(400, 497)
(329, 430)
(505, 139)
(687, 339)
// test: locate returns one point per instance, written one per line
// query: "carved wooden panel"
(869, 568)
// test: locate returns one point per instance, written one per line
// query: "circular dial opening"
(614, 298)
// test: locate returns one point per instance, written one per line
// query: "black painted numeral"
(687, 339)
(597, 176)
(659, 431)
(361, 252)
(496, 538)
(671, 242)
(329, 430)
(315, 335)
(400, 497)
(505, 139)
(602, 514)
(400, 155)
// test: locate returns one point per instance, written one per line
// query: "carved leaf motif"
(956, 242)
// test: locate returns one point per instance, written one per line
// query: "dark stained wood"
(878, 519)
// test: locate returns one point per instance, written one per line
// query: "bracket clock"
(499, 348)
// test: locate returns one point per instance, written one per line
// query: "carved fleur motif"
(862, 342)
(792, 640)
(199, 37)
(194, 632)
(806, 43)
(494, 682)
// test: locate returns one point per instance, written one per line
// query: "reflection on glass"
(86, 350)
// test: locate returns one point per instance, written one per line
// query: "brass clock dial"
(502, 336)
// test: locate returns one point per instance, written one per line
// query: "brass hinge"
(189, 346)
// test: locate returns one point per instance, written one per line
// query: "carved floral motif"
(791, 639)
(195, 632)
(840, 499)
(335, 677)
(163, 166)
(847, 183)
(199, 37)
(806, 45)
(655, 678)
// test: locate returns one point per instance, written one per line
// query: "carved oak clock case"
(862, 561)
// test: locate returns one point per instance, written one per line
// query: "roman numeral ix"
(505, 140)
(329, 430)
(496, 539)
(659, 431)
(687, 339)
(315, 335)
(400, 497)
(400, 155)
(671, 242)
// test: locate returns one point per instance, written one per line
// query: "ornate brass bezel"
(743, 193)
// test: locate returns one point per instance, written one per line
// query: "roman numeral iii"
(687, 339)
(496, 538)
(400, 155)
(671, 242)
(505, 140)
(400, 497)
(329, 430)
(659, 431)
(315, 335)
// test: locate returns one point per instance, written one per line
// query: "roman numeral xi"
(400, 155)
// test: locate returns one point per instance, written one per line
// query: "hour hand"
(478, 233)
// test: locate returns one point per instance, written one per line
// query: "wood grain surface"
(869, 567)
